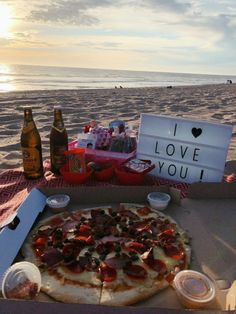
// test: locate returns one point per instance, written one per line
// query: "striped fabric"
(14, 187)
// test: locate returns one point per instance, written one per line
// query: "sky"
(185, 36)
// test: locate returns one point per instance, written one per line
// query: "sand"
(212, 103)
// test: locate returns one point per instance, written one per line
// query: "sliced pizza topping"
(135, 247)
(135, 271)
(174, 252)
(118, 262)
(75, 267)
(143, 211)
(51, 257)
(156, 264)
(107, 273)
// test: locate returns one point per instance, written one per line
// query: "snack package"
(76, 160)
(100, 136)
(138, 166)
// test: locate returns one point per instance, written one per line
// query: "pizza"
(107, 255)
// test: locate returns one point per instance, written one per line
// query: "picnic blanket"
(14, 188)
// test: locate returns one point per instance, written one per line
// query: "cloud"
(24, 40)
(69, 12)
(82, 12)
(167, 5)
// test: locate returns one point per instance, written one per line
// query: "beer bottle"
(58, 141)
(31, 147)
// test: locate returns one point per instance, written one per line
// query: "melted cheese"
(160, 254)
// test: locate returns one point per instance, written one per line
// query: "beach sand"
(212, 103)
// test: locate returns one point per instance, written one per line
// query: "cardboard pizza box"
(13, 235)
(210, 222)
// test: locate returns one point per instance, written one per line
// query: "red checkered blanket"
(14, 187)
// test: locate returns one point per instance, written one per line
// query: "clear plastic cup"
(194, 289)
(21, 281)
(58, 202)
(158, 200)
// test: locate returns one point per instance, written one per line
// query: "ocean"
(27, 77)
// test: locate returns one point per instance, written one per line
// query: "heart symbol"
(196, 132)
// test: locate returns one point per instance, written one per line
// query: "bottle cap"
(27, 107)
(21, 281)
(57, 107)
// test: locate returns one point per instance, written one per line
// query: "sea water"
(29, 77)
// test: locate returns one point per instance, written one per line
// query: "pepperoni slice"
(40, 244)
(144, 211)
(117, 262)
(51, 256)
(105, 247)
(167, 237)
(87, 239)
(135, 247)
(143, 225)
(155, 264)
(84, 230)
(107, 273)
(75, 267)
(159, 266)
(41, 241)
(70, 252)
(174, 252)
(135, 271)
(129, 213)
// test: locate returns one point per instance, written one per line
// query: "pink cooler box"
(118, 157)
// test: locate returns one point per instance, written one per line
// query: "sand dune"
(209, 102)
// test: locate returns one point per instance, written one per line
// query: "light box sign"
(184, 150)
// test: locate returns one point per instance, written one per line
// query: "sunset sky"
(192, 36)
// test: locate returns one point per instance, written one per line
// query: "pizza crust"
(69, 293)
(132, 295)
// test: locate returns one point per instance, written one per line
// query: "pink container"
(93, 153)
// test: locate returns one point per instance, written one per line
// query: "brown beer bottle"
(58, 141)
(31, 147)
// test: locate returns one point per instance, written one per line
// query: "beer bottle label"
(58, 157)
(59, 130)
(31, 159)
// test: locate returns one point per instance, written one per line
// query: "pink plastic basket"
(93, 153)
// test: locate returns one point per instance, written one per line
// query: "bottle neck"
(29, 123)
(58, 120)
(28, 115)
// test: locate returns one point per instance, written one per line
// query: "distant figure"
(121, 86)
(115, 86)
(169, 86)
(229, 82)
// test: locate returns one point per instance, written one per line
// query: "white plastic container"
(158, 200)
(21, 281)
(194, 289)
(58, 202)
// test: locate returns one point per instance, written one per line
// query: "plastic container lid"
(21, 281)
(58, 201)
(194, 289)
(158, 200)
